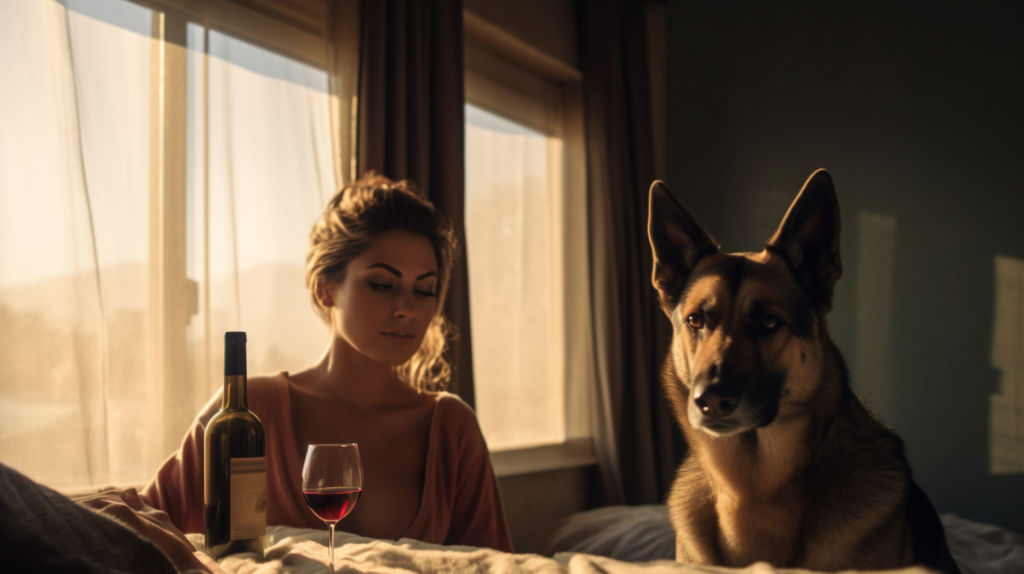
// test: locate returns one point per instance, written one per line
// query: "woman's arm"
(177, 487)
(154, 525)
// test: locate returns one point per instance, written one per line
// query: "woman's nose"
(403, 306)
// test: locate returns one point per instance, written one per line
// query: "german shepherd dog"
(785, 464)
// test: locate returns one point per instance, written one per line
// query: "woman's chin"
(393, 357)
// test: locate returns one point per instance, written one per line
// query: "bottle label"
(248, 497)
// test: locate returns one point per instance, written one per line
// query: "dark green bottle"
(235, 468)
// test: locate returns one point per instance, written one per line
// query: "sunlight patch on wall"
(1007, 406)
(876, 262)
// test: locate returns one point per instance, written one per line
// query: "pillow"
(627, 533)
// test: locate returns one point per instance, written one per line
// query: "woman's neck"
(343, 373)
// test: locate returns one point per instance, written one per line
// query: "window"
(159, 173)
(525, 234)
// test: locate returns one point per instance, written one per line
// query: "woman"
(378, 271)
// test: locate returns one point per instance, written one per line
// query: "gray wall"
(534, 503)
(917, 113)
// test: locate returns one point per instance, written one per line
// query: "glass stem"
(330, 545)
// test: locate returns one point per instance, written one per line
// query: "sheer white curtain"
(74, 179)
(270, 177)
(88, 165)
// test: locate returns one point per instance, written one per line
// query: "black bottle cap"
(234, 353)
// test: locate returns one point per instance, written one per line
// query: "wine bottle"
(235, 469)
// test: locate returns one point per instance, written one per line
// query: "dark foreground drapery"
(637, 440)
(410, 126)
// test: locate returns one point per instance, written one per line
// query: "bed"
(302, 551)
(610, 540)
(42, 530)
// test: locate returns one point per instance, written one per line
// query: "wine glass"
(332, 480)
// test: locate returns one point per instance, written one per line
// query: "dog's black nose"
(716, 404)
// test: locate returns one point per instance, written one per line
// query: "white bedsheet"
(304, 551)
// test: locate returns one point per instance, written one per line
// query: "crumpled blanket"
(304, 551)
(41, 530)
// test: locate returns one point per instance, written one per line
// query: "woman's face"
(388, 297)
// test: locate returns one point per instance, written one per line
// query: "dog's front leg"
(691, 506)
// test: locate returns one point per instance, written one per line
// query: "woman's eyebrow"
(386, 267)
(427, 274)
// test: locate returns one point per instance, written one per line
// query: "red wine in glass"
(332, 504)
(332, 480)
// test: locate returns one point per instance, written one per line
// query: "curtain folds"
(637, 441)
(410, 126)
(67, 277)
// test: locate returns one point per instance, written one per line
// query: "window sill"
(570, 454)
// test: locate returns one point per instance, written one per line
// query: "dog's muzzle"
(717, 401)
(715, 406)
(725, 405)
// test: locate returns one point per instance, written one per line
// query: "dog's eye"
(695, 321)
(770, 322)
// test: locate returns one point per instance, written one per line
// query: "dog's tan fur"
(821, 484)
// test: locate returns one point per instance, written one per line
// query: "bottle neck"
(235, 393)
(235, 397)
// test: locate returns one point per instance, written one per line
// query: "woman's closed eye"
(385, 287)
(427, 292)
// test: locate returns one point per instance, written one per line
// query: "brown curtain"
(410, 125)
(342, 30)
(637, 441)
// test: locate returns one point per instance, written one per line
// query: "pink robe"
(461, 503)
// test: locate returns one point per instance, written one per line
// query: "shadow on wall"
(918, 119)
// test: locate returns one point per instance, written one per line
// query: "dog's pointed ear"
(678, 242)
(809, 237)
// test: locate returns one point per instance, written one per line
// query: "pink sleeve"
(177, 487)
(478, 516)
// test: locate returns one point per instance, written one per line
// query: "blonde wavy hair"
(359, 213)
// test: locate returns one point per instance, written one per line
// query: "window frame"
(509, 78)
(175, 298)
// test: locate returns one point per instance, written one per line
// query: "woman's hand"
(154, 525)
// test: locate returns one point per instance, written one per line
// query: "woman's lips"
(399, 337)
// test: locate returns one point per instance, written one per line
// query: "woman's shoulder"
(452, 405)
(268, 394)
(455, 418)
(268, 384)
(262, 392)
